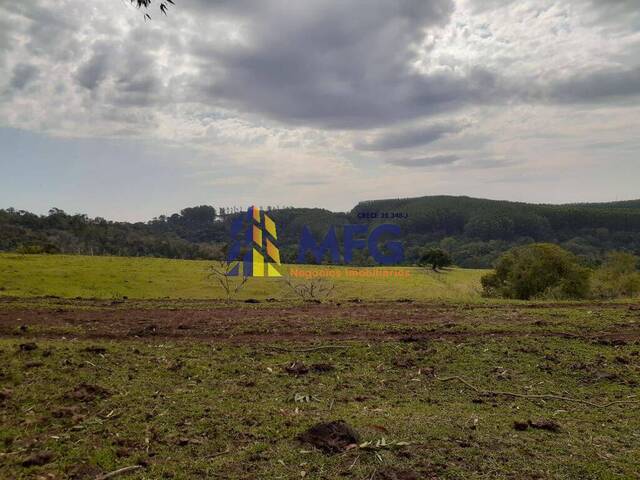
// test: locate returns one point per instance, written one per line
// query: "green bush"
(37, 249)
(539, 270)
(617, 277)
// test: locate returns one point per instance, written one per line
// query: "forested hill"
(475, 231)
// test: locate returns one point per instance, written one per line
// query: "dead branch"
(494, 393)
(303, 350)
(120, 471)
(221, 272)
(311, 289)
(219, 454)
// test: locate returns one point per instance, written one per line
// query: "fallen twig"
(219, 454)
(120, 471)
(302, 350)
(534, 396)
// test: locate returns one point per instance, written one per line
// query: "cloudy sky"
(316, 102)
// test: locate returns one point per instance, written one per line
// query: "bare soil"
(242, 323)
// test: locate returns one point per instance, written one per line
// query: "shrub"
(539, 270)
(37, 249)
(617, 277)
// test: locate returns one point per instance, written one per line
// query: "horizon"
(241, 209)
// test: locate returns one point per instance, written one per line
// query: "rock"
(331, 437)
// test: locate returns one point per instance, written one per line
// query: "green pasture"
(71, 276)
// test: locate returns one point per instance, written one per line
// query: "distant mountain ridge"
(626, 204)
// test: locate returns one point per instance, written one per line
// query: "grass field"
(178, 385)
(149, 278)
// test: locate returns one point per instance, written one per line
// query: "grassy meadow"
(192, 409)
(70, 276)
(169, 383)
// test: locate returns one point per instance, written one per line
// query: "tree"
(541, 270)
(221, 272)
(437, 258)
(310, 289)
(146, 4)
(617, 277)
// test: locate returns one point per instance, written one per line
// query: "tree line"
(473, 232)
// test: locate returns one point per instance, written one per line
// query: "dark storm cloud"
(412, 137)
(23, 74)
(137, 81)
(337, 64)
(322, 63)
(132, 71)
(435, 161)
(95, 70)
(51, 27)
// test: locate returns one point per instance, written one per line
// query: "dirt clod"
(622, 360)
(520, 426)
(96, 350)
(322, 367)
(297, 368)
(37, 459)
(5, 394)
(404, 362)
(64, 412)
(331, 437)
(33, 364)
(548, 425)
(87, 393)
(27, 347)
(399, 475)
(83, 471)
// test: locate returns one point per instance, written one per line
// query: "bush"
(539, 270)
(37, 249)
(617, 277)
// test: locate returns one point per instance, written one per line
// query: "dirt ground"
(195, 389)
(242, 322)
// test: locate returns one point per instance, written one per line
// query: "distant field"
(153, 278)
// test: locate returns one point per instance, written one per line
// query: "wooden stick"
(120, 471)
(302, 350)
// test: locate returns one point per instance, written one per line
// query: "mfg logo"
(392, 252)
(255, 249)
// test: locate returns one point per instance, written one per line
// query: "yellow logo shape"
(264, 236)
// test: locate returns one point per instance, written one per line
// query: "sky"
(315, 103)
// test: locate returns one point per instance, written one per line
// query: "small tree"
(310, 289)
(437, 258)
(540, 270)
(617, 277)
(231, 284)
